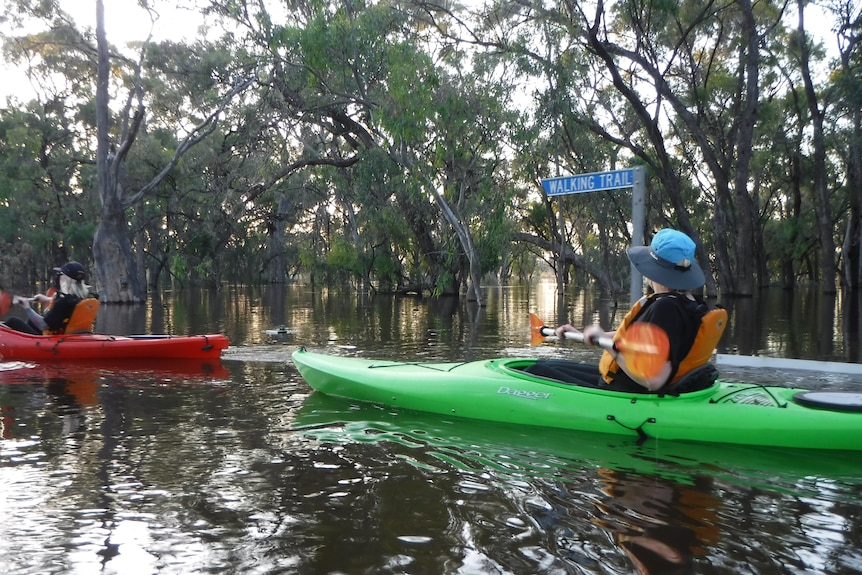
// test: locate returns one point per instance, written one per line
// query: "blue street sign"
(595, 182)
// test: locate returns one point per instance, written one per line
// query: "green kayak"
(499, 390)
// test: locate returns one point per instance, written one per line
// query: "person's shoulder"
(670, 299)
(68, 298)
(674, 303)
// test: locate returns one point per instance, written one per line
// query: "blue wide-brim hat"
(669, 260)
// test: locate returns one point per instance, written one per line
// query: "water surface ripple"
(241, 468)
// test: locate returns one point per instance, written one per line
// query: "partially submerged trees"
(400, 145)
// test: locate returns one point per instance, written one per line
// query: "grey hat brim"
(664, 272)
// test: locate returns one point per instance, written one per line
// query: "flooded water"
(237, 467)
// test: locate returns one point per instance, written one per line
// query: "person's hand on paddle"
(22, 301)
(41, 298)
(563, 329)
(594, 331)
(643, 353)
(591, 333)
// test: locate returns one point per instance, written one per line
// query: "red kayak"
(112, 371)
(15, 345)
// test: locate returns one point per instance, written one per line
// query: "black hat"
(74, 270)
(669, 260)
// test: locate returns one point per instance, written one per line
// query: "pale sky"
(126, 22)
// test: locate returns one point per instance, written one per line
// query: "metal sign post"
(633, 178)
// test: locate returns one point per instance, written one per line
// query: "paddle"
(645, 346)
(5, 301)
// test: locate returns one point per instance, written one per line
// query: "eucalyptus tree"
(358, 84)
(848, 104)
(387, 246)
(317, 67)
(469, 127)
(82, 58)
(677, 86)
(580, 230)
(796, 172)
(817, 114)
(781, 173)
(115, 263)
(44, 219)
(706, 63)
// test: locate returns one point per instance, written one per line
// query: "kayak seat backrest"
(83, 317)
(695, 380)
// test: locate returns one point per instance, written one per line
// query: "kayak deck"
(499, 390)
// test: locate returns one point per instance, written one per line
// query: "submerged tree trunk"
(118, 277)
(821, 190)
(474, 286)
(852, 252)
(853, 240)
(747, 239)
(116, 273)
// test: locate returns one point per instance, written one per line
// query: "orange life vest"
(81, 320)
(84, 316)
(712, 325)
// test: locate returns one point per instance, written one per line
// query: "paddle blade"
(537, 326)
(5, 302)
(645, 348)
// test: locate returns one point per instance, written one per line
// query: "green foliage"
(343, 258)
(366, 110)
(43, 212)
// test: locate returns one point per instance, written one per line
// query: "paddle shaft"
(602, 342)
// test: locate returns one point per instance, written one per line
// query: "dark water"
(238, 468)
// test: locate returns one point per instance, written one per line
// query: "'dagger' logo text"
(523, 393)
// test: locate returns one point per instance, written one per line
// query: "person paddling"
(693, 331)
(72, 291)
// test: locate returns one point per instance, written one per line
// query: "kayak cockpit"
(572, 373)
